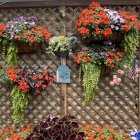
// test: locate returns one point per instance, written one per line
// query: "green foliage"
(19, 104)
(59, 43)
(90, 79)
(11, 50)
(12, 54)
(130, 42)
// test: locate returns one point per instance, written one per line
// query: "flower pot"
(62, 53)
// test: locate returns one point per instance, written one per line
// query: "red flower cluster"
(2, 26)
(12, 134)
(30, 81)
(93, 22)
(82, 57)
(36, 34)
(131, 20)
(103, 133)
(114, 58)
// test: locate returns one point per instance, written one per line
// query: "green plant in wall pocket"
(61, 46)
(26, 82)
(23, 35)
(111, 38)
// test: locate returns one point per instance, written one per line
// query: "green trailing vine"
(11, 55)
(130, 42)
(19, 104)
(90, 79)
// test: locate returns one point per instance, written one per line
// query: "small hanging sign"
(63, 74)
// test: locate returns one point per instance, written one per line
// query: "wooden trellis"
(119, 106)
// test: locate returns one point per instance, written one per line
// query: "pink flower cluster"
(115, 81)
(116, 78)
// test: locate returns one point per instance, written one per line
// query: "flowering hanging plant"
(92, 59)
(21, 34)
(111, 37)
(26, 82)
(96, 22)
(100, 54)
(104, 133)
(26, 29)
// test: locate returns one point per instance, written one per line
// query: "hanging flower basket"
(23, 35)
(26, 83)
(111, 38)
(96, 24)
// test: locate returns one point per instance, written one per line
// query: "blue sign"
(137, 135)
(63, 74)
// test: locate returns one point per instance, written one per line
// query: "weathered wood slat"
(53, 3)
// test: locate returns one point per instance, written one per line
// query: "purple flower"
(84, 49)
(21, 18)
(32, 24)
(107, 43)
(112, 26)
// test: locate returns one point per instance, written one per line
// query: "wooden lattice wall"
(118, 105)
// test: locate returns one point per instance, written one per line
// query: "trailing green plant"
(90, 79)
(26, 82)
(130, 42)
(20, 101)
(11, 55)
(23, 35)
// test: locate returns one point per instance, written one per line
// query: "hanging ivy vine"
(19, 104)
(90, 79)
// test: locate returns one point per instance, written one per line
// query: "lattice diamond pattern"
(112, 105)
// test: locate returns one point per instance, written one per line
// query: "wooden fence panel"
(112, 105)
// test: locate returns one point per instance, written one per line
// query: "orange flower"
(83, 30)
(110, 60)
(97, 31)
(102, 136)
(107, 32)
(17, 36)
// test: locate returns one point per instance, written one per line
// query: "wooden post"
(63, 61)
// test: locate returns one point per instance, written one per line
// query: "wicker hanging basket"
(115, 38)
(26, 48)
